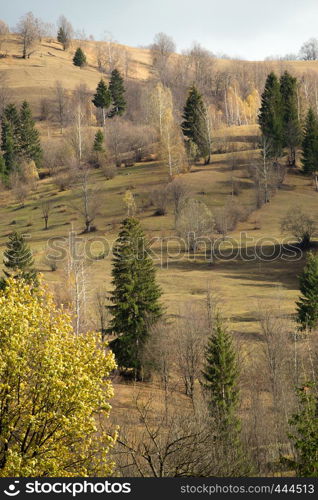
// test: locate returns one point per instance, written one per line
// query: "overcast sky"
(252, 29)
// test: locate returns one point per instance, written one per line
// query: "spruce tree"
(307, 305)
(79, 58)
(10, 124)
(305, 433)
(63, 38)
(98, 142)
(135, 298)
(220, 385)
(18, 261)
(270, 116)
(291, 125)
(194, 125)
(9, 148)
(220, 373)
(117, 91)
(29, 139)
(102, 98)
(11, 114)
(310, 144)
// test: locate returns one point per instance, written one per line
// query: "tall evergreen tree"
(10, 125)
(9, 148)
(29, 139)
(117, 91)
(307, 305)
(135, 298)
(305, 433)
(11, 114)
(98, 142)
(220, 372)
(79, 58)
(291, 125)
(220, 384)
(270, 116)
(310, 144)
(18, 261)
(102, 98)
(194, 125)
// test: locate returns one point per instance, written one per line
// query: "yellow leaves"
(52, 384)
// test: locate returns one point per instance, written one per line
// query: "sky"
(251, 29)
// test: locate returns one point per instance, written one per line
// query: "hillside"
(33, 79)
(251, 272)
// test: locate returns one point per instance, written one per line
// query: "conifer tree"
(220, 384)
(10, 124)
(117, 91)
(9, 148)
(11, 114)
(291, 125)
(270, 116)
(98, 142)
(135, 298)
(307, 305)
(305, 432)
(310, 144)
(221, 372)
(18, 261)
(63, 37)
(29, 139)
(194, 125)
(102, 98)
(79, 58)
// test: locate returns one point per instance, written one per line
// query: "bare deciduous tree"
(161, 49)
(89, 199)
(28, 29)
(300, 225)
(179, 193)
(159, 199)
(309, 50)
(194, 222)
(46, 208)
(62, 110)
(4, 30)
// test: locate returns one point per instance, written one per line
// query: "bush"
(159, 199)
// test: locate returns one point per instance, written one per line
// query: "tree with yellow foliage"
(53, 386)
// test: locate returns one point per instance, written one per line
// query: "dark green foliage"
(221, 372)
(102, 98)
(10, 113)
(310, 144)
(98, 142)
(19, 138)
(135, 298)
(9, 148)
(220, 385)
(194, 125)
(18, 261)
(29, 139)
(117, 91)
(270, 116)
(291, 125)
(3, 172)
(79, 58)
(305, 435)
(10, 131)
(307, 305)
(63, 38)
